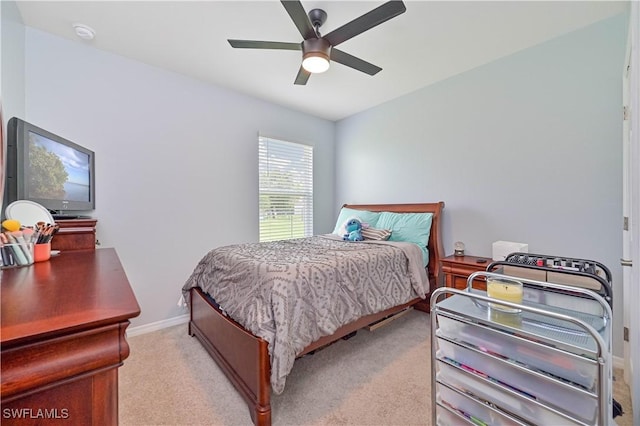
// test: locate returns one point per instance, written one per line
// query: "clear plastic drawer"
(505, 400)
(559, 395)
(445, 417)
(577, 369)
(476, 412)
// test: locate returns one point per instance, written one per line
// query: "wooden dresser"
(63, 327)
(456, 270)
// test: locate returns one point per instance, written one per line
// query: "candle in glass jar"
(504, 289)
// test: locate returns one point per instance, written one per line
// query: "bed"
(253, 361)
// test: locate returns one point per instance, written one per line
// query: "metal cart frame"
(602, 353)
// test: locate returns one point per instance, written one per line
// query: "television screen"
(57, 171)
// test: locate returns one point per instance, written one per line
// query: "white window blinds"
(286, 189)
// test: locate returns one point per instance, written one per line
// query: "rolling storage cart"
(547, 364)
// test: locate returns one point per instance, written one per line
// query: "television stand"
(57, 217)
(75, 234)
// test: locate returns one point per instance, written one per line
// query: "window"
(286, 189)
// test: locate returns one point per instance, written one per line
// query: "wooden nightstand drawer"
(456, 270)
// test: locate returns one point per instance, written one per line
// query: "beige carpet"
(375, 378)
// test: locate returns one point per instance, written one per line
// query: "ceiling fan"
(317, 49)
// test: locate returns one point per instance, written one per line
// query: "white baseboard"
(158, 325)
(618, 362)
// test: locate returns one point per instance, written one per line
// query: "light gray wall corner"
(527, 148)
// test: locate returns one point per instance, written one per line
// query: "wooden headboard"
(436, 249)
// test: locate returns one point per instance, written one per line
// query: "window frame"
(288, 213)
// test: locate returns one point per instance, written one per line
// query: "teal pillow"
(364, 215)
(409, 227)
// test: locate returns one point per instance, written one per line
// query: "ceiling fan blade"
(299, 16)
(302, 77)
(353, 62)
(365, 22)
(253, 44)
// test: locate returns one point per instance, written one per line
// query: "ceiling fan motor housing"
(316, 46)
(317, 17)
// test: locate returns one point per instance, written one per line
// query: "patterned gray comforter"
(293, 292)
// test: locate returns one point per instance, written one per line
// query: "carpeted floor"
(375, 378)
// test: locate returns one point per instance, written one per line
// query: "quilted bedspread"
(293, 292)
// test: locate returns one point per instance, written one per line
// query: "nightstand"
(456, 270)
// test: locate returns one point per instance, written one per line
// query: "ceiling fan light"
(315, 55)
(315, 62)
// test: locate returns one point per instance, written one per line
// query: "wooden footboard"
(243, 357)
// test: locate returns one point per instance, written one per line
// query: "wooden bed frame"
(244, 358)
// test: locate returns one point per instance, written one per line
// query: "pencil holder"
(41, 252)
(13, 255)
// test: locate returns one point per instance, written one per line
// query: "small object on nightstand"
(458, 248)
(481, 261)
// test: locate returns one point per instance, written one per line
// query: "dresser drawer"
(456, 269)
(460, 282)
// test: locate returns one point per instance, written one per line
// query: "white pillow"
(376, 234)
(365, 216)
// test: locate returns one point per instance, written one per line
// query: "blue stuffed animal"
(354, 230)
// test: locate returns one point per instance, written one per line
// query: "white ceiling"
(431, 41)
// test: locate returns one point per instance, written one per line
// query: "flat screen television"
(50, 170)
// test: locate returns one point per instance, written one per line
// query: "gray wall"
(527, 148)
(176, 159)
